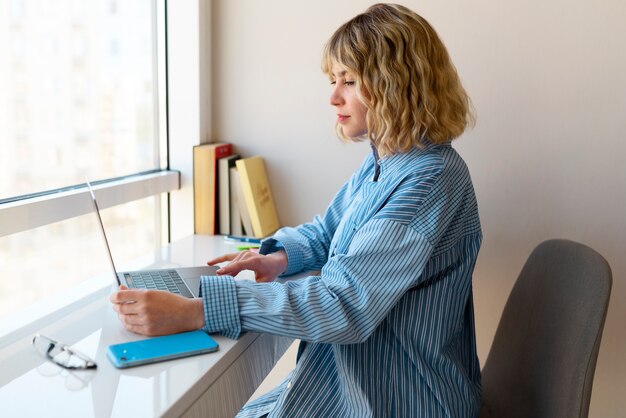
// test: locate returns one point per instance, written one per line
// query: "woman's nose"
(335, 98)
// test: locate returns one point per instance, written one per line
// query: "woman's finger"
(126, 296)
(125, 308)
(222, 258)
(242, 262)
(233, 268)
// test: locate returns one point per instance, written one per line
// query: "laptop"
(184, 281)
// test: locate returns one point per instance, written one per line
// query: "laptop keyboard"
(160, 280)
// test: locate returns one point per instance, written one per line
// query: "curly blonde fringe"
(405, 77)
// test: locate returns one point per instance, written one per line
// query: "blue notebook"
(168, 347)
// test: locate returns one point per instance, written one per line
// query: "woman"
(387, 326)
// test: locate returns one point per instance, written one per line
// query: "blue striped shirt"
(387, 326)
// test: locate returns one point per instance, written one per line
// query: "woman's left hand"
(266, 267)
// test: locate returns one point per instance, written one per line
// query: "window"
(79, 94)
(83, 98)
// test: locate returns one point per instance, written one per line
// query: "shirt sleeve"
(221, 313)
(349, 298)
(344, 304)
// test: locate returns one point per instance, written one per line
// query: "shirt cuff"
(269, 246)
(221, 312)
(295, 258)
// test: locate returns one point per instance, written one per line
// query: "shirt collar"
(376, 165)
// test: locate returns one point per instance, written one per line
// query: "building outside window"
(83, 99)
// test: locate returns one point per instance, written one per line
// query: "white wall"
(547, 78)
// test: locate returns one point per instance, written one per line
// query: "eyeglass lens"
(61, 354)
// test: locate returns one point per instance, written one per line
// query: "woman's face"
(351, 111)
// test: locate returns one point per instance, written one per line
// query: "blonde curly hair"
(404, 76)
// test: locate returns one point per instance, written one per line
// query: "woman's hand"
(266, 267)
(156, 312)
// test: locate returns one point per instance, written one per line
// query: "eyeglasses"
(61, 354)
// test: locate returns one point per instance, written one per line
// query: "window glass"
(79, 92)
(40, 263)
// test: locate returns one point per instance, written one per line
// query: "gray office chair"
(543, 357)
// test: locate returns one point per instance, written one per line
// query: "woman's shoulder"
(442, 157)
(427, 159)
(423, 170)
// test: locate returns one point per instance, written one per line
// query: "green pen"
(247, 247)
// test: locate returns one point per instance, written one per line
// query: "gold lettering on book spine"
(263, 194)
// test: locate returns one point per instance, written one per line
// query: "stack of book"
(232, 195)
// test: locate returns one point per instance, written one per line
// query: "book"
(236, 227)
(241, 224)
(224, 165)
(257, 196)
(205, 158)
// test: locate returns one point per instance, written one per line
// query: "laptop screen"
(104, 235)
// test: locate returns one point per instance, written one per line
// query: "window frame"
(33, 211)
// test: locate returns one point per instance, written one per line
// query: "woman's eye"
(345, 82)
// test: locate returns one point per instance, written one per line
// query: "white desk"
(210, 385)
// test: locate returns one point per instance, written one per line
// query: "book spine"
(241, 203)
(236, 227)
(224, 192)
(258, 196)
(205, 158)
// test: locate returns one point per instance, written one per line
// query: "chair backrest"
(543, 357)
